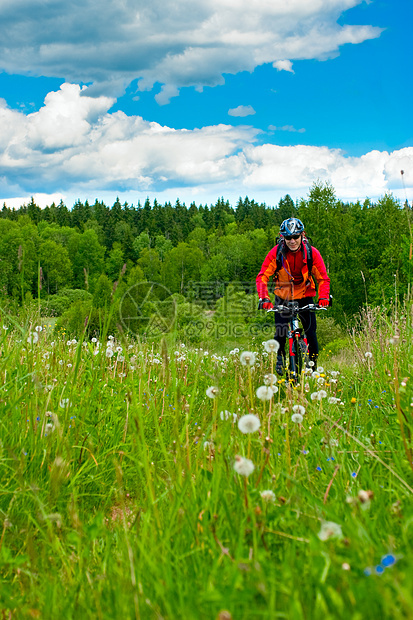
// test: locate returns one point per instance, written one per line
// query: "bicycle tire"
(298, 359)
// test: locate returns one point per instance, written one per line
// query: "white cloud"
(290, 128)
(242, 110)
(174, 44)
(283, 65)
(74, 147)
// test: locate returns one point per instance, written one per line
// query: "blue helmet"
(292, 226)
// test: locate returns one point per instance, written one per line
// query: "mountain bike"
(298, 348)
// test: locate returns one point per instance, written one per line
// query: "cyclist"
(288, 262)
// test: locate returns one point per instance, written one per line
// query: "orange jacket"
(285, 287)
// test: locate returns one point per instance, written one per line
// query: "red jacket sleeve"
(319, 272)
(268, 268)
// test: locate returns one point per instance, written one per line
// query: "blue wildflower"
(388, 560)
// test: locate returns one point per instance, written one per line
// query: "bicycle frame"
(297, 342)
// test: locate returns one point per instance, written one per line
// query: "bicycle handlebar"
(292, 310)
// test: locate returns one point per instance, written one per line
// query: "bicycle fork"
(295, 337)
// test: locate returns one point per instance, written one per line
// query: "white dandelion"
(212, 391)
(320, 369)
(333, 400)
(299, 409)
(33, 338)
(249, 423)
(265, 392)
(64, 403)
(297, 418)
(328, 530)
(247, 358)
(368, 354)
(109, 353)
(243, 466)
(271, 346)
(322, 394)
(227, 415)
(38, 328)
(268, 496)
(270, 379)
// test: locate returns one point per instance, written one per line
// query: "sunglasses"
(292, 237)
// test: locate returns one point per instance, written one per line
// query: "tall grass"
(119, 497)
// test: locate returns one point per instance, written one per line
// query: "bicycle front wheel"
(298, 359)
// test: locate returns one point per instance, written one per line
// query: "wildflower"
(274, 388)
(248, 423)
(38, 328)
(226, 415)
(271, 346)
(320, 369)
(109, 353)
(243, 466)
(320, 381)
(368, 354)
(299, 409)
(322, 394)
(328, 530)
(297, 418)
(265, 392)
(94, 340)
(268, 496)
(330, 441)
(311, 364)
(270, 379)
(212, 391)
(247, 358)
(333, 400)
(365, 498)
(33, 338)
(353, 400)
(388, 560)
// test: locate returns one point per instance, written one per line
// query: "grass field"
(133, 486)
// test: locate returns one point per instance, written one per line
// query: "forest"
(75, 263)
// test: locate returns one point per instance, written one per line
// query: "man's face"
(293, 243)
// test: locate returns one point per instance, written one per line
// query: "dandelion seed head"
(268, 496)
(271, 346)
(249, 423)
(299, 409)
(297, 418)
(270, 379)
(247, 358)
(243, 466)
(368, 354)
(265, 392)
(212, 391)
(329, 529)
(227, 415)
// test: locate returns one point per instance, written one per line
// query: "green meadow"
(161, 480)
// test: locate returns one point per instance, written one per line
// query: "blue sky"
(204, 99)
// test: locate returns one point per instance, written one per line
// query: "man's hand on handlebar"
(265, 304)
(323, 303)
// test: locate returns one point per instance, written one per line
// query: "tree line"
(366, 246)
